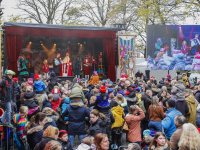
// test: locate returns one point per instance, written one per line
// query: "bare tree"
(45, 11)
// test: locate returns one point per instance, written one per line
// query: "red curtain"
(109, 49)
(13, 48)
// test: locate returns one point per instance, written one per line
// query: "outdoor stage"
(42, 41)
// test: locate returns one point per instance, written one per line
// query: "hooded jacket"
(29, 82)
(76, 113)
(46, 103)
(155, 91)
(34, 135)
(147, 102)
(179, 92)
(39, 86)
(102, 100)
(197, 96)
(66, 145)
(49, 122)
(29, 100)
(87, 94)
(118, 114)
(97, 127)
(191, 115)
(77, 93)
(64, 106)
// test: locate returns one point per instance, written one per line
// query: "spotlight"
(41, 44)
(30, 42)
(54, 44)
(78, 43)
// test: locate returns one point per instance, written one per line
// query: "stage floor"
(70, 78)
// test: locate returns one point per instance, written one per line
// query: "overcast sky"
(9, 8)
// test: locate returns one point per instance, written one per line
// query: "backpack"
(3, 90)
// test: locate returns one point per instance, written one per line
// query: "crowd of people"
(138, 114)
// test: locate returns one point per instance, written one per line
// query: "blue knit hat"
(198, 123)
(121, 92)
(110, 90)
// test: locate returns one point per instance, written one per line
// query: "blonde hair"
(23, 110)
(148, 91)
(190, 137)
(132, 109)
(29, 89)
(120, 97)
(112, 96)
(154, 102)
(88, 140)
(53, 145)
(196, 87)
(23, 85)
(173, 82)
(51, 131)
(94, 98)
(45, 60)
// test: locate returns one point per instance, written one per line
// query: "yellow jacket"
(118, 112)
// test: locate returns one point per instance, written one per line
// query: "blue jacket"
(168, 123)
(76, 112)
(34, 135)
(64, 106)
(46, 103)
(39, 86)
(102, 100)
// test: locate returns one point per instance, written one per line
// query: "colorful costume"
(86, 64)
(94, 79)
(66, 67)
(24, 72)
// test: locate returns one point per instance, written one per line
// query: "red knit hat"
(62, 132)
(15, 79)
(102, 89)
(36, 76)
(126, 76)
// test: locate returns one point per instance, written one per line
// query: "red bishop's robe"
(64, 67)
(86, 64)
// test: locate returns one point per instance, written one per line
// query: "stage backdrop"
(173, 47)
(126, 55)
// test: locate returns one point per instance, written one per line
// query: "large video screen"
(173, 47)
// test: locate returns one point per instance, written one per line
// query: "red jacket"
(45, 68)
(198, 129)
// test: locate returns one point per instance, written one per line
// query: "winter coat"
(22, 95)
(147, 102)
(175, 138)
(64, 106)
(97, 127)
(182, 106)
(50, 122)
(157, 114)
(155, 91)
(34, 135)
(19, 90)
(41, 145)
(66, 145)
(168, 123)
(8, 92)
(197, 96)
(46, 103)
(94, 80)
(118, 113)
(191, 115)
(198, 111)
(56, 99)
(29, 82)
(76, 113)
(87, 94)
(53, 78)
(138, 75)
(39, 86)
(77, 93)
(30, 100)
(20, 120)
(165, 147)
(102, 100)
(134, 130)
(179, 92)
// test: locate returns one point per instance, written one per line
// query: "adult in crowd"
(156, 115)
(178, 91)
(50, 133)
(98, 123)
(138, 74)
(53, 145)
(189, 138)
(133, 122)
(179, 120)
(168, 123)
(101, 141)
(159, 142)
(34, 129)
(77, 93)
(192, 104)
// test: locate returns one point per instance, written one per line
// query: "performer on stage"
(77, 64)
(94, 64)
(23, 72)
(100, 61)
(86, 64)
(184, 48)
(66, 67)
(195, 44)
(56, 64)
(45, 68)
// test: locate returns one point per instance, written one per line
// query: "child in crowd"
(92, 100)
(47, 102)
(64, 141)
